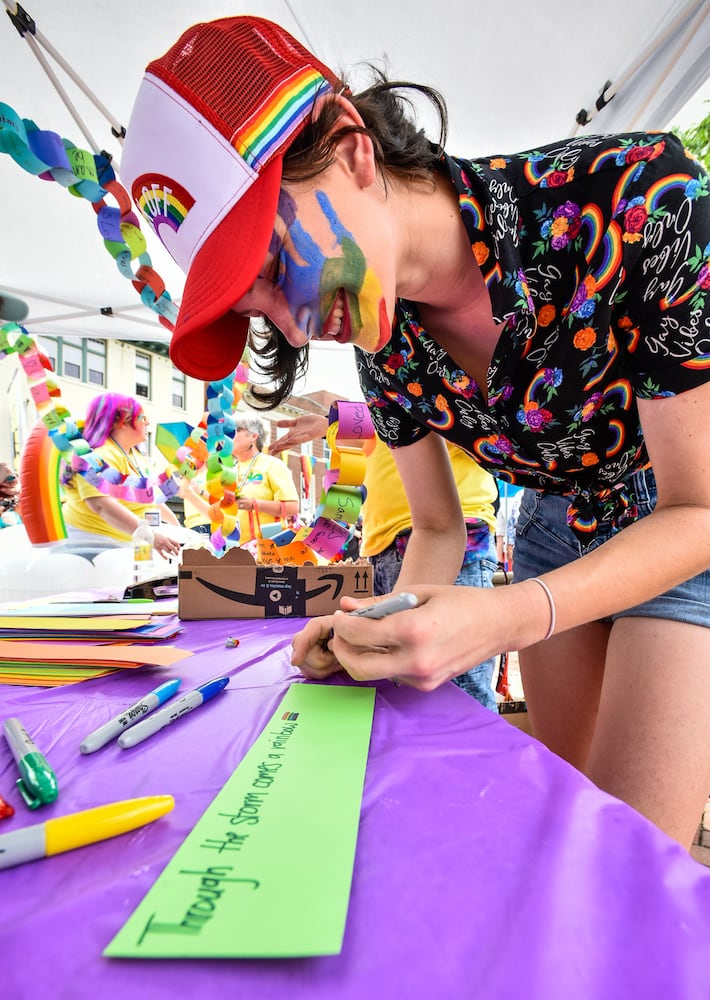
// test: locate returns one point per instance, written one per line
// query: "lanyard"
(132, 462)
(244, 478)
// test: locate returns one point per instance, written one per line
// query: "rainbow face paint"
(314, 282)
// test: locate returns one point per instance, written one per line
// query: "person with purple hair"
(115, 427)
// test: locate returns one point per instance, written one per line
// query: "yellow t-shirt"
(268, 478)
(191, 515)
(386, 512)
(79, 515)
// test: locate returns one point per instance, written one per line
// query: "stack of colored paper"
(143, 628)
(43, 651)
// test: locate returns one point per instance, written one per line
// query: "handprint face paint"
(323, 275)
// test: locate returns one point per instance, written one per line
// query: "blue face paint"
(311, 282)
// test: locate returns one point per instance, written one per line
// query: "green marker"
(37, 783)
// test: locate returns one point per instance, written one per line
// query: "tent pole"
(63, 94)
(611, 88)
(27, 29)
(683, 44)
(116, 128)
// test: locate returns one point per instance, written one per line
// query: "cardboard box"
(233, 586)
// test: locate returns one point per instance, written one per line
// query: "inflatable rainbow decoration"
(40, 505)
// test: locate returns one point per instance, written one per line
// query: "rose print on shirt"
(559, 228)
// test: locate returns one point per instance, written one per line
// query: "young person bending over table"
(547, 311)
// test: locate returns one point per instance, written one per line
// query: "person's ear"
(355, 149)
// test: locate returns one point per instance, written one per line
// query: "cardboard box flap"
(235, 557)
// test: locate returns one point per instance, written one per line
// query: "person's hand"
(185, 489)
(164, 545)
(246, 503)
(9, 483)
(307, 427)
(452, 628)
(311, 650)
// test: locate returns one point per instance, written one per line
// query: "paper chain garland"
(91, 176)
(48, 156)
(45, 154)
(350, 436)
(65, 433)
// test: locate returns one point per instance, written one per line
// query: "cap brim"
(209, 338)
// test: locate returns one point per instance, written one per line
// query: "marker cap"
(37, 784)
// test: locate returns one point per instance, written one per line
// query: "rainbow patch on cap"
(271, 127)
(162, 201)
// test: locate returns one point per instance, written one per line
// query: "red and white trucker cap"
(202, 159)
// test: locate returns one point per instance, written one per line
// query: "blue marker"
(171, 713)
(37, 783)
(129, 716)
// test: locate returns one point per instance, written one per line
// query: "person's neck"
(124, 437)
(248, 455)
(440, 274)
(437, 269)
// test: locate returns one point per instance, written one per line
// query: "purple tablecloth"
(485, 866)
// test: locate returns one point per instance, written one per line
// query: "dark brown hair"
(403, 153)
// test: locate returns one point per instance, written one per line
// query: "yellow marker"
(79, 829)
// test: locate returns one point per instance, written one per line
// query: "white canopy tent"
(514, 76)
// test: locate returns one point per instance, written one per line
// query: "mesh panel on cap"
(227, 68)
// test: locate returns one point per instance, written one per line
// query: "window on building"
(179, 385)
(71, 360)
(143, 386)
(83, 359)
(96, 362)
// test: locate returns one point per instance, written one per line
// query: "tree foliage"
(697, 140)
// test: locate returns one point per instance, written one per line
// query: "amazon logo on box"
(234, 586)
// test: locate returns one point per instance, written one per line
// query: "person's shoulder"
(553, 163)
(272, 465)
(266, 459)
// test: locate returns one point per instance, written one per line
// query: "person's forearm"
(113, 512)
(195, 498)
(644, 560)
(432, 557)
(274, 508)
(167, 515)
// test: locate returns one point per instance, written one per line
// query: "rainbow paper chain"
(351, 437)
(86, 175)
(45, 154)
(66, 435)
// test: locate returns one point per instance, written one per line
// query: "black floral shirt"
(596, 255)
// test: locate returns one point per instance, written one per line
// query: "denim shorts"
(544, 542)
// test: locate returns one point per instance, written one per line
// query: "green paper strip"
(266, 872)
(343, 503)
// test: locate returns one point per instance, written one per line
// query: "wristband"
(551, 602)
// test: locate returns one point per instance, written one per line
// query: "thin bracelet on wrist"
(551, 602)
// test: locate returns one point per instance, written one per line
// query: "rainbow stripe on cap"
(271, 127)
